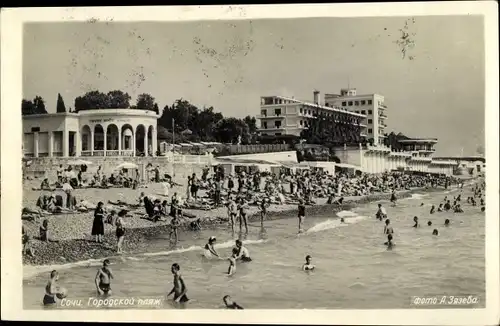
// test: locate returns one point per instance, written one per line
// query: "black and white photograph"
(211, 158)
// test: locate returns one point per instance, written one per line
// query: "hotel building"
(288, 116)
(371, 105)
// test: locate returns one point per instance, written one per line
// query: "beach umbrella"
(67, 187)
(79, 162)
(127, 165)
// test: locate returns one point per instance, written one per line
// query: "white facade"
(287, 116)
(107, 132)
(371, 105)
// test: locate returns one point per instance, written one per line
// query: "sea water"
(354, 270)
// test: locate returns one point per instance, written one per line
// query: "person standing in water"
(433, 209)
(209, 249)
(51, 289)
(389, 242)
(232, 209)
(263, 211)
(243, 214)
(120, 230)
(232, 262)
(381, 212)
(301, 214)
(393, 198)
(179, 290)
(243, 253)
(308, 266)
(387, 228)
(103, 279)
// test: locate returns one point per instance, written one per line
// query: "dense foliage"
(392, 140)
(37, 106)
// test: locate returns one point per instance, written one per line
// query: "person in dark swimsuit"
(103, 278)
(447, 222)
(393, 198)
(433, 209)
(415, 219)
(429, 223)
(301, 214)
(243, 253)
(98, 224)
(230, 304)
(120, 230)
(51, 289)
(435, 232)
(179, 290)
(389, 242)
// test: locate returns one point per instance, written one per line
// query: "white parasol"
(127, 165)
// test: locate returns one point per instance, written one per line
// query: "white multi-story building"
(371, 105)
(288, 116)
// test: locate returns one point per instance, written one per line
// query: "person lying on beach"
(308, 266)
(45, 233)
(103, 279)
(232, 262)
(27, 249)
(179, 290)
(231, 304)
(32, 214)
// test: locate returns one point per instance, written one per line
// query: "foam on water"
(226, 244)
(33, 270)
(349, 218)
(346, 214)
(417, 196)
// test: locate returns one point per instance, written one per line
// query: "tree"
(60, 108)
(229, 129)
(118, 100)
(145, 102)
(37, 106)
(92, 100)
(251, 123)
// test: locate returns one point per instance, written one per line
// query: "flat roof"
(419, 140)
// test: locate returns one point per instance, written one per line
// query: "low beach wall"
(179, 166)
(136, 240)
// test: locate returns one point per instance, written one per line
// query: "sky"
(435, 90)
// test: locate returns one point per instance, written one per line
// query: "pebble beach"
(73, 230)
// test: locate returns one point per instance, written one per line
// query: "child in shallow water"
(232, 262)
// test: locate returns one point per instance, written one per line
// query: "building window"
(356, 111)
(363, 102)
(35, 129)
(301, 122)
(309, 112)
(301, 110)
(370, 121)
(370, 131)
(363, 112)
(356, 102)
(344, 103)
(350, 103)
(277, 124)
(264, 113)
(277, 112)
(265, 124)
(369, 102)
(370, 111)
(278, 134)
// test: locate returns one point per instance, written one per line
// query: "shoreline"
(74, 252)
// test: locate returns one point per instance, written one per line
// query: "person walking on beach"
(301, 214)
(103, 279)
(98, 224)
(179, 290)
(120, 231)
(232, 210)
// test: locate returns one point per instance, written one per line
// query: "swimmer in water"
(301, 214)
(342, 220)
(381, 212)
(230, 304)
(209, 248)
(232, 262)
(422, 204)
(458, 209)
(433, 209)
(415, 219)
(440, 208)
(387, 228)
(447, 206)
(483, 209)
(308, 266)
(429, 223)
(51, 289)
(389, 242)
(103, 278)
(447, 222)
(179, 288)
(243, 253)
(435, 232)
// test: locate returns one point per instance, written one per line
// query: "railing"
(86, 153)
(57, 154)
(29, 154)
(43, 154)
(113, 153)
(98, 153)
(127, 153)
